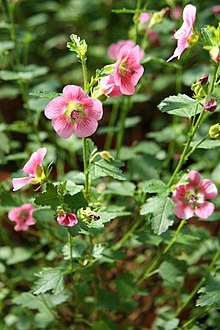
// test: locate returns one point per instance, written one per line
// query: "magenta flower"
(113, 50)
(34, 170)
(108, 86)
(190, 197)
(67, 219)
(74, 112)
(22, 216)
(182, 35)
(211, 105)
(128, 70)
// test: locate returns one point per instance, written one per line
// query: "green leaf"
(104, 324)
(44, 215)
(76, 201)
(104, 168)
(49, 197)
(153, 186)
(19, 254)
(45, 94)
(207, 144)
(180, 105)
(77, 250)
(49, 279)
(6, 45)
(172, 272)
(210, 294)
(206, 37)
(90, 148)
(120, 188)
(72, 188)
(161, 209)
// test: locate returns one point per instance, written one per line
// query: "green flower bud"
(214, 131)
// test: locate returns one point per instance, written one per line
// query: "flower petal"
(179, 194)
(56, 107)
(208, 189)
(183, 211)
(194, 179)
(20, 182)
(35, 160)
(85, 127)
(74, 93)
(204, 210)
(63, 126)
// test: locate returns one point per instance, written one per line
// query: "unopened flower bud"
(106, 155)
(204, 79)
(211, 105)
(214, 131)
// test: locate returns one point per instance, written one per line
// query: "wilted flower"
(113, 50)
(74, 112)
(210, 105)
(182, 35)
(128, 70)
(33, 168)
(67, 219)
(22, 216)
(190, 197)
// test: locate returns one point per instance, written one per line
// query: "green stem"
(214, 77)
(85, 83)
(70, 242)
(11, 7)
(112, 122)
(86, 171)
(183, 157)
(136, 22)
(198, 286)
(128, 234)
(154, 264)
(182, 223)
(196, 317)
(120, 135)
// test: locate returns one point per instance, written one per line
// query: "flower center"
(192, 199)
(23, 216)
(125, 70)
(74, 111)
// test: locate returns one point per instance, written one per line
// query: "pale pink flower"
(67, 219)
(190, 197)
(175, 12)
(22, 216)
(74, 112)
(108, 86)
(34, 170)
(144, 17)
(128, 70)
(113, 50)
(182, 35)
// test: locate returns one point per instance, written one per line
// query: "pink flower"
(108, 86)
(113, 50)
(34, 170)
(67, 219)
(22, 216)
(190, 197)
(74, 112)
(144, 17)
(182, 35)
(128, 70)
